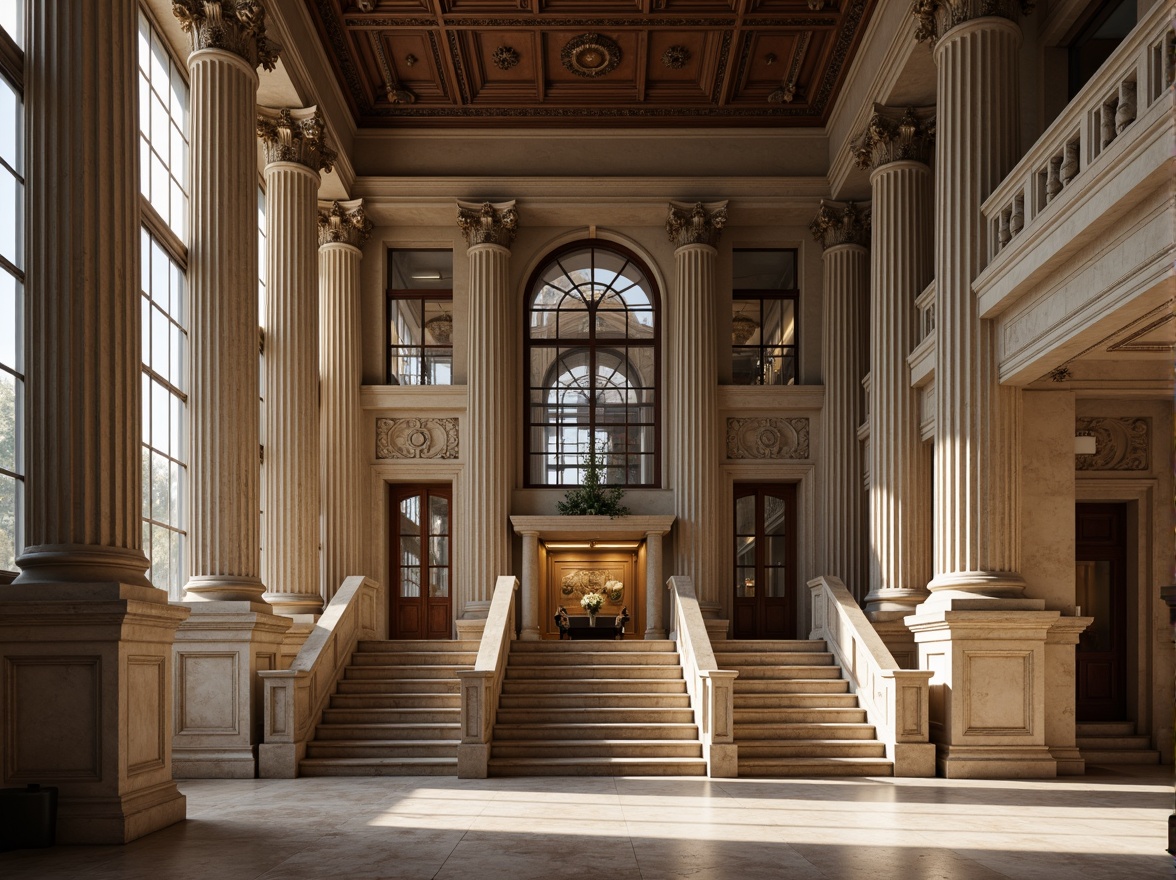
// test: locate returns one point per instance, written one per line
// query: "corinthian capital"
(696, 224)
(295, 136)
(488, 222)
(343, 223)
(838, 223)
(236, 26)
(937, 17)
(895, 135)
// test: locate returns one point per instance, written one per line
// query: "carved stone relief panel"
(1122, 444)
(768, 438)
(416, 438)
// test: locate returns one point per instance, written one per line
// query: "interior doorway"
(421, 562)
(1101, 592)
(765, 600)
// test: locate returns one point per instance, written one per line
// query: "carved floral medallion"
(416, 438)
(770, 438)
(1121, 444)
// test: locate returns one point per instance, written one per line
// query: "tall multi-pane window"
(763, 317)
(163, 183)
(12, 287)
(420, 317)
(591, 368)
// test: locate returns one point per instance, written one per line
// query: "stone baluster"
(343, 228)
(843, 231)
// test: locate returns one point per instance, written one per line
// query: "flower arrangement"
(591, 602)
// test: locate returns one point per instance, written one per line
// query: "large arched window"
(591, 356)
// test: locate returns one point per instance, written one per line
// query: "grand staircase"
(396, 712)
(794, 714)
(588, 708)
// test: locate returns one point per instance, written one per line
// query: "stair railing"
(295, 698)
(895, 699)
(481, 685)
(711, 689)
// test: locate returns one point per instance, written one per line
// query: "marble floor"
(1109, 824)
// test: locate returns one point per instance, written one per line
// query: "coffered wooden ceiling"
(634, 62)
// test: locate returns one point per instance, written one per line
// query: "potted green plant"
(593, 498)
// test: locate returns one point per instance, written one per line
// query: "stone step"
(580, 700)
(548, 647)
(593, 658)
(596, 715)
(728, 660)
(576, 673)
(392, 716)
(814, 766)
(597, 767)
(1109, 743)
(754, 646)
(597, 748)
(795, 701)
(391, 686)
(418, 645)
(790, 686)
(1105, 728)
(378, 767)
(377, 700)
(824, 748)
(414, 658)
(566, 731)
(388, 731)
(820, 715)
(784, 673)
(822, 730)
(595, 686)
(1120, 756)
(390, 672)
(378, 748)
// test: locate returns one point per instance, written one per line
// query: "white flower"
(592, 602)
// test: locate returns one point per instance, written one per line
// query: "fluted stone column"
(896, 147)
(694, 416)
(296, 151)
(224, 469)
(85, 640)
(843, 231)
(487, 436)
(343, 228)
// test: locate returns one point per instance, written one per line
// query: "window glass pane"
(439, 582)
(410, 516)
(410, 582)
(745, 582)
(764, 269)
(11, 217)
(12, 19)
(777, 586)
(11, 129)
(438, 551)
(8, 423)
(438, 515)
(9, 320)
(421, 270)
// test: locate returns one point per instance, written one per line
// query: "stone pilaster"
(489, 231)
(655, 588)
(224, 468)
(843, 230)
(85, 640)
(343, 228)
(695, 448)
(897, 148)
(529, 596)
(295, 147)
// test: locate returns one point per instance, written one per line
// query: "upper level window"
(163, 130)
(1098, 38)
(763, 318)
(420, 317)
(12, 19)
(591, 364)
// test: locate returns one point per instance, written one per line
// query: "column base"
(899, 641)
(1070, 761)
(652, 634)
(220, 588)
(716, 629)
(892, 604)
(120, 819)
(470, 630)
(995, 762)
(300, 607)
(530, 634)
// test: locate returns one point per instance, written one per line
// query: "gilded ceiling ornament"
(236, 26)
(838, 223)
(675, 57)
(293, 135)
(696, 224)
(789, 85)
(817, 5)
(343, 223)
(895, 135)
(488, 222)
(393, 88)
(937, 17)
(590, 55)
(505, 58)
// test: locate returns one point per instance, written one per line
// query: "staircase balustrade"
(295, 698)
(481, 685)
(895, 699)
(711, 689)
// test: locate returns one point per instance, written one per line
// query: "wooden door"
(421, 575)
(764, 604)
(1101, 591)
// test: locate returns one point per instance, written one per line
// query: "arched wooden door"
(421, 562)
(764, 604)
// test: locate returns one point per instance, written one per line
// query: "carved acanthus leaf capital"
(236, 26)
(343, 223)
(895, 135)
(937, 17)
(696, 224)
(488, 222)
(292, 135)
(838, 223)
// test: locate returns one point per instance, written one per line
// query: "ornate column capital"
(895, 135)
(696, 224)
(236, 26)
(488, 222)
(343, 223)
(293, 135)
(841, 223)
(937, 17)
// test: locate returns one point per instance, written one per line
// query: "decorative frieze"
(343, 223)
(294, 135)
(236, 26)
(769, 438)
(1122, 444)
(696, 224)
(896, 135)
(488, 222)
(837, 223)
(416, 438)
(937, 17)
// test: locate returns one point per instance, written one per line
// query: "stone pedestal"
(1061, 694)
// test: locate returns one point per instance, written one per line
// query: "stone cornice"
(343, 223)
(488, 222)
(293, 135)
(896, 135)
(236, 26)
(696, 224)
(937, 17)
(841, 223)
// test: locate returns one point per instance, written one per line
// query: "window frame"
(762, 296)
